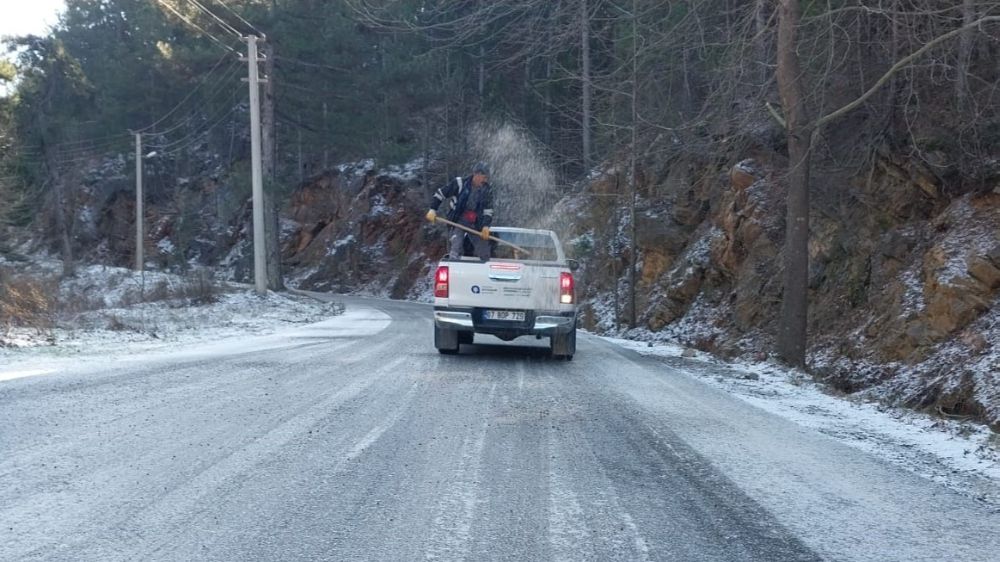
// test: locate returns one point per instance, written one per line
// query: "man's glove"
(485, 234)
(432, 215)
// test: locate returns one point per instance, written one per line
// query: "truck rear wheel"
(445, 340)
(564, 345)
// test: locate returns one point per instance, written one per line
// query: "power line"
(213, 126)
(187, 97)
(239, 17)
(189, 139)
(196, 26)
(74, 145)
(193, 118)
(74, 148)
(222, 22)
(94, 139)
(309, 64)
(219, 87)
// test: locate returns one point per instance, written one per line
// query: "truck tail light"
(441, 282)
(566, 288)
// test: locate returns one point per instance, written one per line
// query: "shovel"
(475, 233)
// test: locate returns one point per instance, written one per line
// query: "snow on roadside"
(963, 456)
(104, 312)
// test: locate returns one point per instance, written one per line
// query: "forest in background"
(827, 89)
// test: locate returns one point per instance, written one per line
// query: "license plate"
(509, 315)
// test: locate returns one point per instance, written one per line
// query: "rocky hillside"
(904, 278)
(361, 232)
(904, 275)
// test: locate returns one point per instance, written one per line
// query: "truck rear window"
(541, 246)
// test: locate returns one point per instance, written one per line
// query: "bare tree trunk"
(613, 249)
(482, 75)
(895, 40)
(62, 227)
(301, 164)
(633, 166)
(760, 41)
(792, 337)
(585, 82)
(326, 147)
(525, 96)
(268, 148)
(59, 190)
(964, 53)
(267, 114)
(547, 129)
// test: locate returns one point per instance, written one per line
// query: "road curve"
(361, 442)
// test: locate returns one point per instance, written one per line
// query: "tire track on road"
(455, 511)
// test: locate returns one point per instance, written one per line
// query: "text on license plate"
(511, 315)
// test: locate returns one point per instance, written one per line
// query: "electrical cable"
(308, 64)
(93, 139)
(77, 150)
(188, 140)
(219, 87)
(196, 26)
(75, 145)
(222, 22)
(162, 142)
(239, 17)
(199, 137)
(203, 81)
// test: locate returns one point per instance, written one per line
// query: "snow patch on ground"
(338, 244)
(913, 297)
(165, 246)
(110, 313)
(968, 235)
(407, 172)
(962, 456)
(360, 166)
(379, 207)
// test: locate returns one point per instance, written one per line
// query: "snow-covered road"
(353, 439)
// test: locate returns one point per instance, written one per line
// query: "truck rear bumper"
(453, 320)
(538, 324)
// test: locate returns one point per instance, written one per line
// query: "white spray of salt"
(524, 184)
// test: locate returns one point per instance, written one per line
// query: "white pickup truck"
(509, 296)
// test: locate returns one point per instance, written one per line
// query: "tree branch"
(777, 116)
(903, 63)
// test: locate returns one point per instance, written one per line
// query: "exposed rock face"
(375, 240)
(931, 286)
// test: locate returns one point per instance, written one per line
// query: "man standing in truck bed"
(473, 209)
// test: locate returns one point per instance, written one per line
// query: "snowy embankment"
(961, 455)
(104, 313)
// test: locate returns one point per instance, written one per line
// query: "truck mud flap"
(564, 345)
(445, 340)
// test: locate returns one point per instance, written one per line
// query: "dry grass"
(25, 302)
(197, 289)
(40, 302)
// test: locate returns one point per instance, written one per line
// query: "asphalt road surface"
(356, 440)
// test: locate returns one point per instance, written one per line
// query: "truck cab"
(515, 293)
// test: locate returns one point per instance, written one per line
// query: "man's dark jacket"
(468, 199)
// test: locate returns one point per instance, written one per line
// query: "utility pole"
(139, 227)
(259, 250)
